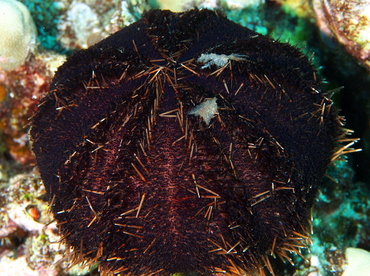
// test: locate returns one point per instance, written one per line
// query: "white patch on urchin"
(207, 109)
(220, 60)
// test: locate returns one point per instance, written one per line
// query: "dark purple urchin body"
(141, 183)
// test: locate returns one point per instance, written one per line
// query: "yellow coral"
(358, 262)
(18, 34)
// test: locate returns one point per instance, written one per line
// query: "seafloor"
(340, 218)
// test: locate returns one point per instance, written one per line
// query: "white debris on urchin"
(220, 60)
(207, 109)
(18, 34)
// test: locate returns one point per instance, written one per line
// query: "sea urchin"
(184, 143)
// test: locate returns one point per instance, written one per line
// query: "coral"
(23, 87)
(84, 24)
(349, 23)
(300, 8)
(175, 6)
(23, 238)
(29, 245)
(241, 4)
(179, 6)
(358, 262)
(141, 185)
(277, 20)
(18, 34)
